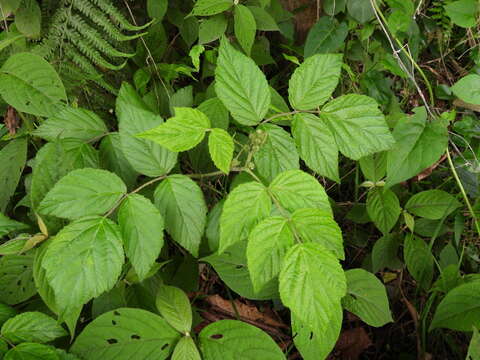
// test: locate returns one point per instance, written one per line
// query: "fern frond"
(118, 17)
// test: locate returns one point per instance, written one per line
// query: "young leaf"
(313, 82)
(358, 125)
(126, 334)
(241, 85)
(463, 89)
(83, 192)
(462, 12)
(186, 350)
(267, 245)
(226, 339)
(316, 145)
(367, 298)
(432, 204)
(220, 145)
(245, 206)
(419, 260)
(326, 36)
(245, 27)
(12, 161)
(8, 225)
(174, 305)
(32, 327)
(16, 283)
(182, 205)
(383, 207)
(83, 260)
(211, 7)
(141, 225)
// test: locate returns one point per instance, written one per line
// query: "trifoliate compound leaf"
(221, 146)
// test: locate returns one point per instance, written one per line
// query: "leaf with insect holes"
(220, 146)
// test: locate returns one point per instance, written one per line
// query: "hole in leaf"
(311, 335)
(239, 267)
(114, 322)
(19, 282)
(25, 266)
(164, 347)
(112, 341)
(116, 313)
(216, 336)
(135, 337)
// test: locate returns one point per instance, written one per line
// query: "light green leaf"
(360, 10)
(8, 225)
(245, 27)
(459, 309)
(432, 204)
(264, 21)
(83, 260)
(462, 12)
(174, 305)
(226, 339)
(31, 351)
(267, 245)
(126, 334)
(358, 125)
(316, 145)
(16, 277)
(419, 260)
(383, 208)
(83, 192)
(180, 133)
(141, 226)
(212, 29)
(315, 225)
(467, 89)
(6, 312)
(313, 82)
(277, 152)
(246, 205)
(12, 161)
(220, 146)
(186, 350)
(474, 347)
(31, 85)
(28, 19)
(367, 298)
(326, 36)
(72, 122)
(182, 205)
(241, 85)
(211, 7)
(32, 327)
(145, 156)
(296, 189)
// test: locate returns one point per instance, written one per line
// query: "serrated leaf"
(326, 36)
(383, 208)
(367, 298)
(313, 82)
(316, 145)
(12, 161)
(220, 146)
(245, 27)
(8, 225)
(141, 226)
(32, 351)
(432, 204)
(226, 339)
(83, 260)
(212, 29)
(241, 85)
(16, 279)
(31, 85)
(358, 125)
(419, 260)
(126, 334)
(246, 205)
(186, 350)
(32, 327)
(83, 192)
(211, 7)
(466, 89)
(182, 205)
(174, 305)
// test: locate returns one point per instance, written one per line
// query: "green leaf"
(277, 152)
(32, 327)
(182, 205)
(83, 260)
(157, 9)
(8, 225)
(211, 7)
(384, 253)
(245, 27)
(12, 161)
(227, 339)
(174, 305)
(474, 347)
(313, 82)
(360, 10)
(216, 112)
(72, 122)
(383, 207)
(418, 145)
(83, 192)
(432, 204)
(358, 125)
(315, 225)
(374, 167)
(462, 12)
(333, 7)
(31, 85)
(326, 36)
(6, 312)
(141, 226)
(264, 21)
(220, 146)
(28, 19)
(186, 350)
(31, 351)
(419, 260)
(145, 156)
(367, 298)
(246, 205)
(296, 189)
(268, 243)
(459, 309)
(212, 29)
(466, 89)
(312, 283)
(241, 85)
(180, 133)
(126, 334)
(316, 145)
(16, 283)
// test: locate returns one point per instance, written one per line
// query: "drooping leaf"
(432, 204)
(221, 146)
(174, 305)
(419, 260)
(211, 7)
(383, 208)
(245, 27)
(186, 350)
(16, 283)
(12, 161)
(326, 36)
(466, 89)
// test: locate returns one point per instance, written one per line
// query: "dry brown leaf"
(352, 343)
(11, 120)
